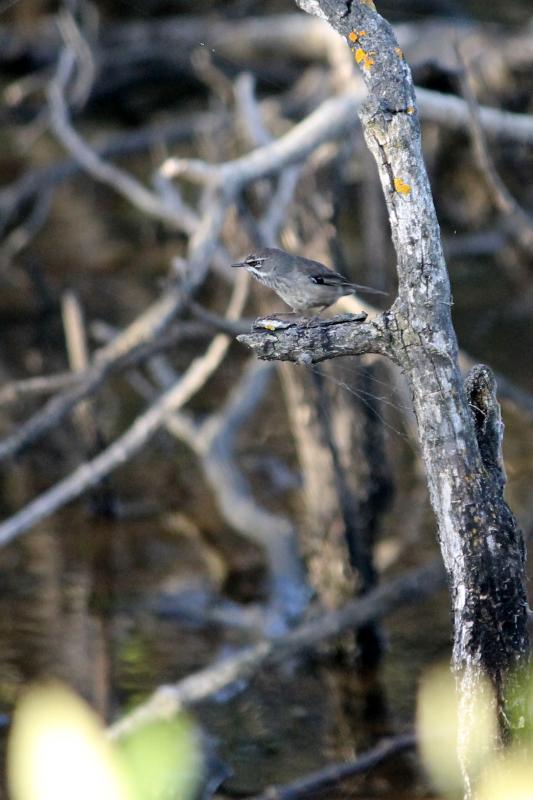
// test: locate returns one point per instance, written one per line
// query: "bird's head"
(260, 263)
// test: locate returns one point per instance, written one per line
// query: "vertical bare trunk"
(481, 544)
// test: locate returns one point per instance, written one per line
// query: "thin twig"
(35, 182)
(214, 444)
(17, 390)
(78, 357)
(144, 329)
(86, 71)
(518, 222)
(328, 121)
(168, 700)
(452, 112)
(21, 236)
(249, 111)
(446, 110)
(133, 440)
(146, 201)
(14, 391)
(333, 774)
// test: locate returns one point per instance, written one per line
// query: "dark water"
(75, 604)
(79, 600)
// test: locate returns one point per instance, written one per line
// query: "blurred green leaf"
(163, 760)
(437, 726)
(509, 778)
(57, 750)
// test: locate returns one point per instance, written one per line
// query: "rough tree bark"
(481, 544)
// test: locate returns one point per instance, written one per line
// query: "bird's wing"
(330, 278)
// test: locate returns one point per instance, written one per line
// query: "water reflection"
(75, 603)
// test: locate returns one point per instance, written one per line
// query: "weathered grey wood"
(480, 541)
(315, 340)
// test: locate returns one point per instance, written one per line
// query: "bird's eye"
(254, 262)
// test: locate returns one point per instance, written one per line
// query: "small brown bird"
(303, 284)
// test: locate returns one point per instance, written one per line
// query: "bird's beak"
(239, 264)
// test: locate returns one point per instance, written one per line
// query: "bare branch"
(145, 200)
(133, 440)
(251, 120)
(517, 222)
(328, 777)
(248, 110)
(328, 121)
(452, 112)
(38, 181)
(218, 323)
(308, 342)
(447, 110)
(23, 234)
(86, 67)
(78, 358)
(144, 329)
(14, 391)
(202, 246)
(214, 443)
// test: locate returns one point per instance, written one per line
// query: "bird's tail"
(355, 287)
(327, 278)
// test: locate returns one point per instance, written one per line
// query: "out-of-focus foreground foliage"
(498, 775)
(58, 750)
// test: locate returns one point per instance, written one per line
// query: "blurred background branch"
(144, 149)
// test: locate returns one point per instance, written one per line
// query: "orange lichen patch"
(398, 51)
(368, 3)
(411, 110)
(364, 58)
(354, 36)
(401, 187)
